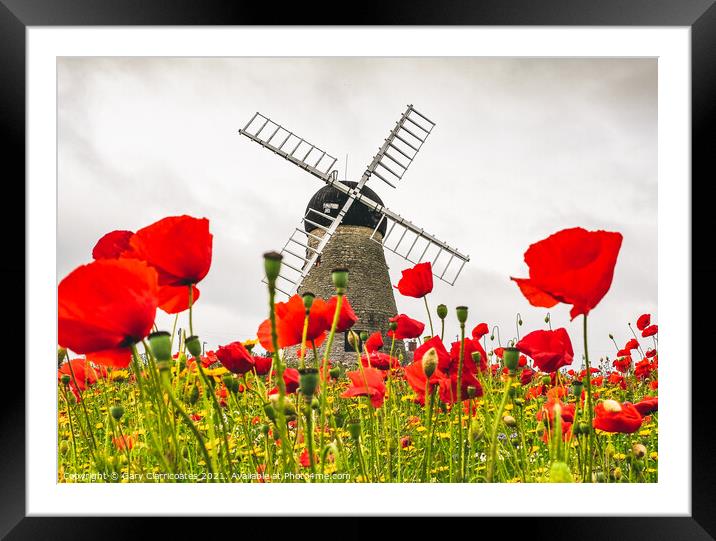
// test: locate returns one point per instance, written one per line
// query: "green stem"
(590, 410)
(492, 457)
(430, 317)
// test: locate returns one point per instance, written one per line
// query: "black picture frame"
(698, 15)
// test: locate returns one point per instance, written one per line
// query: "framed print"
(438, 293)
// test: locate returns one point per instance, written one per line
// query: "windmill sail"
(413, 244)
(289, 146)
(400, 147)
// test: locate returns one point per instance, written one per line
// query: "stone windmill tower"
(347, 225)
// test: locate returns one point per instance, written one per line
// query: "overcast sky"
(521, 149)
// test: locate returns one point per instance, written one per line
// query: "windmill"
(347, 225)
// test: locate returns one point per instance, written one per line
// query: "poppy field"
(137, 403)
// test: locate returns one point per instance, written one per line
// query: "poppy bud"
(334, 372)
(610, 450)
(583, 427)
(161, 345)
(546, 380)
(519, 402)
(315, 403)
(340, 279)
(193, 345)
(461, 313)
(64, 447)
(363, 336)
(442, 311)
(61, 353)
(393, 325)
(511, 358)
(509, 420)
(308, 300)
(269, 411)
(430, 362)
(264, 428)
(354, 429)
(546, 318)
(476, 357)
(611, 336)
(65, 379)
(232, 384)
(616, 474)
(353, 338)
(116, 412)
(639, 450)
(577, 387)
(272, 266)
(492, 337)
(308, 381)
(471, 391)
(559, 473)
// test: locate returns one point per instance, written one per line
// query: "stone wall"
(370, 291)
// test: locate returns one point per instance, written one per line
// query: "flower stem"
(590, 410)
(492, 458)
(430, 318)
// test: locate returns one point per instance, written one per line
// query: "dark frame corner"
(699, 15)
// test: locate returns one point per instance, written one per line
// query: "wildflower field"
(141, 404)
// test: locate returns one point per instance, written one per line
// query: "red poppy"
(615, 379)
(107, 305)
(347, 317)
(550, 350)
(175, 299)
(434, 342)
(650, 353)
(407, 327)
(262, 365)
(468, 363)
(290, 379)
(534, 392)
(416, 282)
(526, 376)
(643, 322)
(643, 368)
(235, 358)
(566, 433)
(179, 247)
(499, 352)
(289, 323)
(611, 416)
(623, 364)
(374, 342)
(468, 380)
(598, 381)
(651, 330)
(381, 361)
(480, 330)
(648, 405)
(125, 442)
(84, 374)
(305, 459)
(573, 266)
(367, 382)
(112, 245)
(631, 344)
(416, 378)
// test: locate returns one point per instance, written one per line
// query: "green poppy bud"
(308, 381)
(315, 403)
(272, 266)
(393, 325)
(308, 300)
(65, 379)
(476, 357)
(577, 387)
(193, 345)
(559, 473)
(430, 362)
(511, 358)
(546, 380)
(442, 311)
(471, 391)
(354, 429)
(509, 420)
(161, 345)
(269, 411)
(340, 279)
(232, 384)
(461, 313)
(334, 372)
(116, 412)
(363, 336)
(264, 428)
